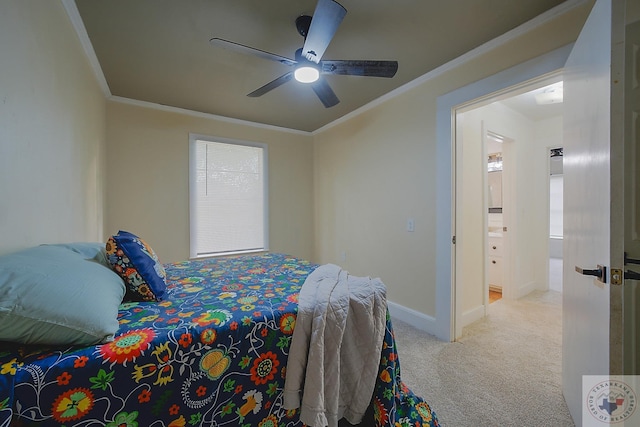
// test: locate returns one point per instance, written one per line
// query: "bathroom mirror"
(494, 169)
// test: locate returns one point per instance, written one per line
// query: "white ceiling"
(158, 50)
(527, 105)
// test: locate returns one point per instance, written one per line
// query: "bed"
(212, 352)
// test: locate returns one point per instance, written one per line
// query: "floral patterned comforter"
(213, 353)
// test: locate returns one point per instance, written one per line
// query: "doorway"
(493, 152)
(556, 223)
(527, 122)
(584, 342)
(448, 319)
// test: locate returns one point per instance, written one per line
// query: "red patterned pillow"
(138, 265)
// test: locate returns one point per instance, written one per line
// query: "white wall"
(525, 184)
(73, 170)
(471, 216)
(148, 184)
(371, 175)
(52, 130)
(549, 133)
(377, 169)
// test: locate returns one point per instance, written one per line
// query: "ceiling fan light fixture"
(306, 74)
(552, 94)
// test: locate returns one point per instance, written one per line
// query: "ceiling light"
(306, 74)
(552, 94)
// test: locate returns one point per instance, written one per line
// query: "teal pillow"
(93, 251)
(54, 295)
(134, 260)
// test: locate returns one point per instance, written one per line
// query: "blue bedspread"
(213, 353)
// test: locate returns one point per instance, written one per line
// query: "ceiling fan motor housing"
(303, 22)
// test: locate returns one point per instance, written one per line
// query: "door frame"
(472, 255)
(523, 74)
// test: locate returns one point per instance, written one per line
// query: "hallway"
(505, 370)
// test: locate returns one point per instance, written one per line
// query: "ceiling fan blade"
(271, 85)
(360, 68)
(324, 23)
(325, 93)
(240, 48)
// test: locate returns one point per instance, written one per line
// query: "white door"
(593, 202)
(632, 191)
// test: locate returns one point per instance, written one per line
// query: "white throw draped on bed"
(336, 345)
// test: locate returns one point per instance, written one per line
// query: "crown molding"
(81, 31)
(530, 25)
(542, 19)
(192, 113)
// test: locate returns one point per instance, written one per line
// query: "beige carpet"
(504, 371)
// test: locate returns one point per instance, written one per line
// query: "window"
(228, 196)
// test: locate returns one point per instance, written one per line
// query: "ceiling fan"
(308, 63)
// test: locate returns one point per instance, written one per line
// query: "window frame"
(193, 142)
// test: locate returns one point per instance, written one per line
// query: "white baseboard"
(526, 289)
(414, 318)
(468, 317)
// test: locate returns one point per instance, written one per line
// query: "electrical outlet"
(343, 256)
(411, 226)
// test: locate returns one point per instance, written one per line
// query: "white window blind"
(228, 197)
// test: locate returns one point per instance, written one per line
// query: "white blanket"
(335, 350)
